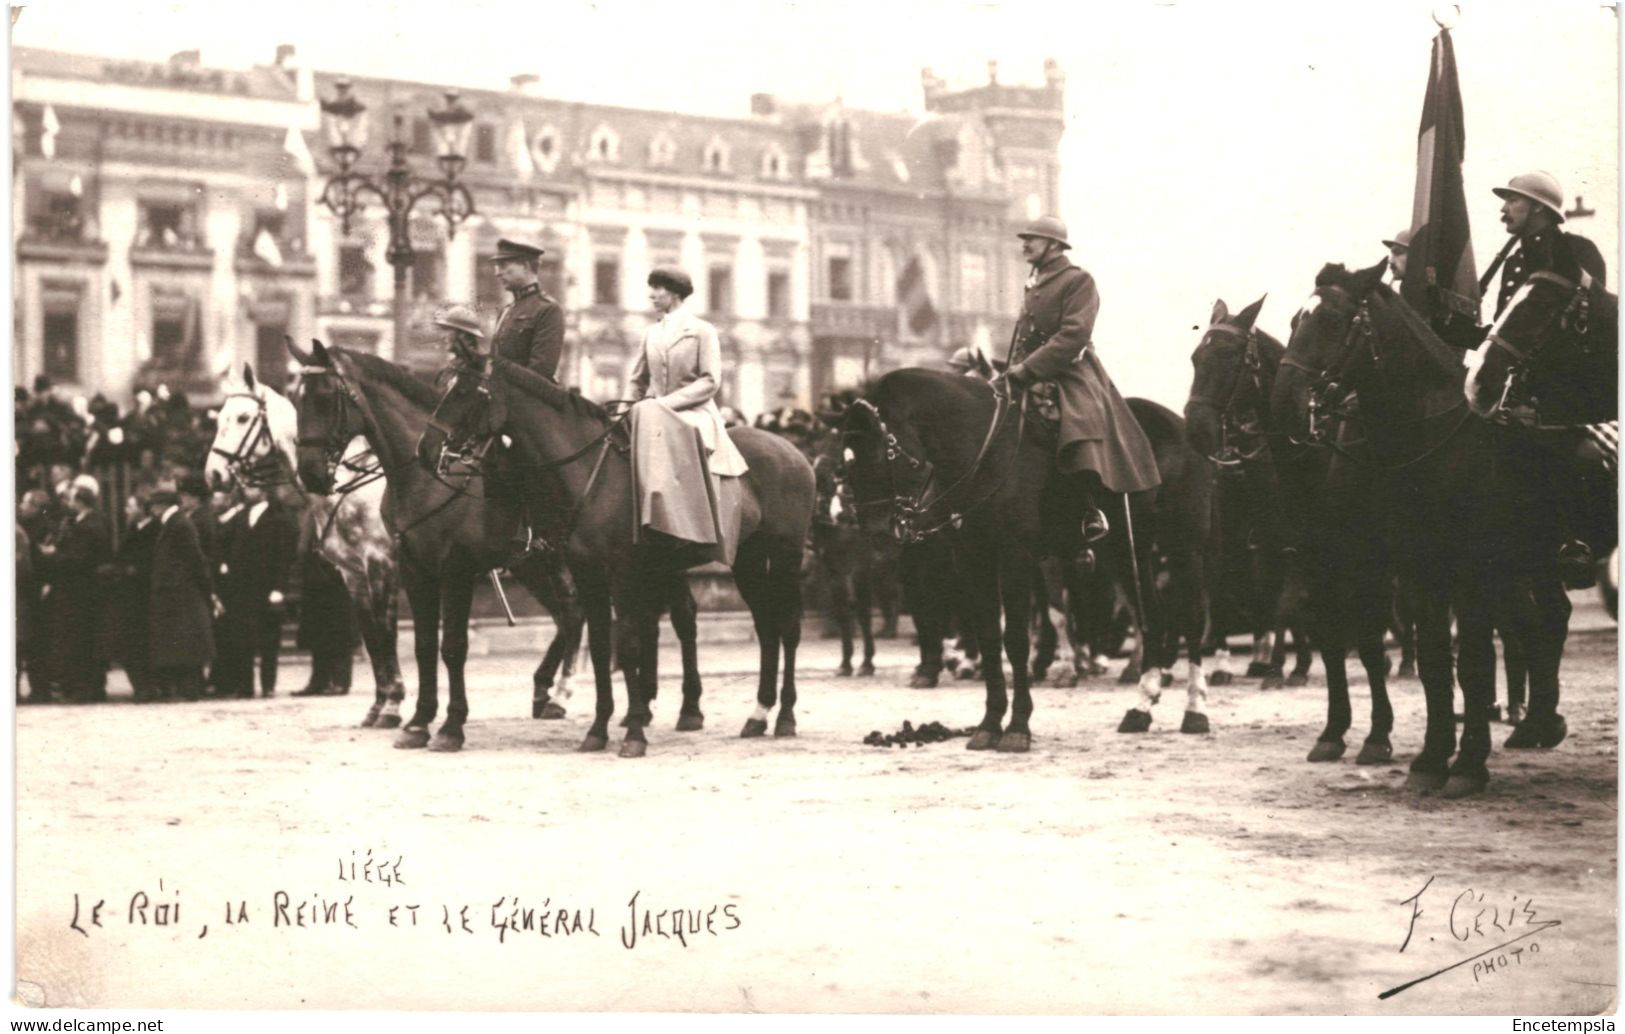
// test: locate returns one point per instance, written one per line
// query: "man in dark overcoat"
(259, 567)
(74, 603)
(530, 330)
(327, 624)
(180, 619)
(129, 595)
(1052, 359)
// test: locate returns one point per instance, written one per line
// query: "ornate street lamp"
(399, 190)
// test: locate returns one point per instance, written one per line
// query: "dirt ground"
(1100, 873)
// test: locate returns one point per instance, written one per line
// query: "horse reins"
(1247, 363)
(909, 510)
(247, 463)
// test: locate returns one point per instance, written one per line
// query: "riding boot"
(1095, 525)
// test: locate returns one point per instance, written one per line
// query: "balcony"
(287, 257)
(867, 321)
(170, 250)
(59, 239)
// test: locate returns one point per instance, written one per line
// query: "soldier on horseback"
(1051, 359)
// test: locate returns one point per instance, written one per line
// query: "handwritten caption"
(510, 918)
(1473, 918)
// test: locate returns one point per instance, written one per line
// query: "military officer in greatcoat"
(530, 330)
(1531, 210)
(1052, 359)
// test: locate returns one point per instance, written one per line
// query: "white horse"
(254, 441)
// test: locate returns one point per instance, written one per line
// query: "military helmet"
(1047, 226)
(460, 317)
(1401, 240)
(962, 359)
(1540, 187)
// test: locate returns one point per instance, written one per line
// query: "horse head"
(329, 415)
(1556, 343)
(1225, 378)
(1328, 335)
(255, 434)
(471, 412)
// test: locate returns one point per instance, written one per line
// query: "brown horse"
(577, 456)
(446, 537)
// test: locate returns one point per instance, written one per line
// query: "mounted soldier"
(530, 329)
(1052, 359)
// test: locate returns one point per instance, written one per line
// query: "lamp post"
(398, 190)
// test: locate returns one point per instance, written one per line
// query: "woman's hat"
(672, 279)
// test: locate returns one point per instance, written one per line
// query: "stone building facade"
(175, 225)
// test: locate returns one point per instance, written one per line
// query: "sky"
(1217, 149)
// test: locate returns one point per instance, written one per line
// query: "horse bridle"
(1326, 395)
(1576, 315)
(1249, 365)
(458, 457)
(256, 460)
(909, 510)
(363, 469)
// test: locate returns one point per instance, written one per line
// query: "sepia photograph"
(963, 508)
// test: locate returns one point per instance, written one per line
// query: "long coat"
(74, 607)
(1052, 342)
(530, 332)
(181, 626)
(128, 594)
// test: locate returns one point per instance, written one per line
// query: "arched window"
(604, 146)
(662, 150)
(544, 148)
(775, 166)
(716, 155)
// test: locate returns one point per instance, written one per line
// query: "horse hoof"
(1425, 782)
(1272, 681)
(970, 674)
(1327, 750)
(923, 682)
(389, 721)
(754, 727)
(1135, 720)
(1129, 676)
(412, 739)
(1065, 680)
(785, 725)
(1407, 670)
(983, 739)
(552, 712)
(866, 669)
(370, 721)
(592, 744)
(1464, 784)
(1195, 723)
(1015, 743)
(1297, 679)
(447, 744)
(634, 748)
(844, 671)
(1375, 752)
(1220, 678)
(1257, 669)
(690, 722)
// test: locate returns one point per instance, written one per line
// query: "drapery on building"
(169, 224)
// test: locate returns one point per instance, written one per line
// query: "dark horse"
(935, 453)
(577, 455)
(1319, 511)
(447, 537)
(1452, 518)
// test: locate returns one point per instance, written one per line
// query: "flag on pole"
(49, 128)
(915, 298)
(1440, 277)
(520, 145)
(265, 248)
(294, 145)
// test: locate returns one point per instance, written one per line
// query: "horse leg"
(557, 656)
(458, 602)
(753, 577)
(384, 576)
(1187, 577)
(863, 591)
(1151, 624)
(370, 637)
(1429, 769)
(1017, 590)
(1475, 669)
(981, 612)
(1332, 639)
(685, 622)
(1378, 748)
(647, 603)
(423, 595)
(785, 593)
(840, 605)
(595, 600)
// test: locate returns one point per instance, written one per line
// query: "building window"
(716, 155)
(177, 340)
(422, 136)
(60, 218)
(720, 293)
(167, 225)
(840, 278)
(662, 150)
(428, 276)
(485, 143)
(778, 295)
(605, 146)
(355, 272)
(550, 274)
(606, 282)
(61, 304)
(774, 164)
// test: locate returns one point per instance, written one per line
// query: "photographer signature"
(1475, 916)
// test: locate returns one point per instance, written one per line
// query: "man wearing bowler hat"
(530, 330)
